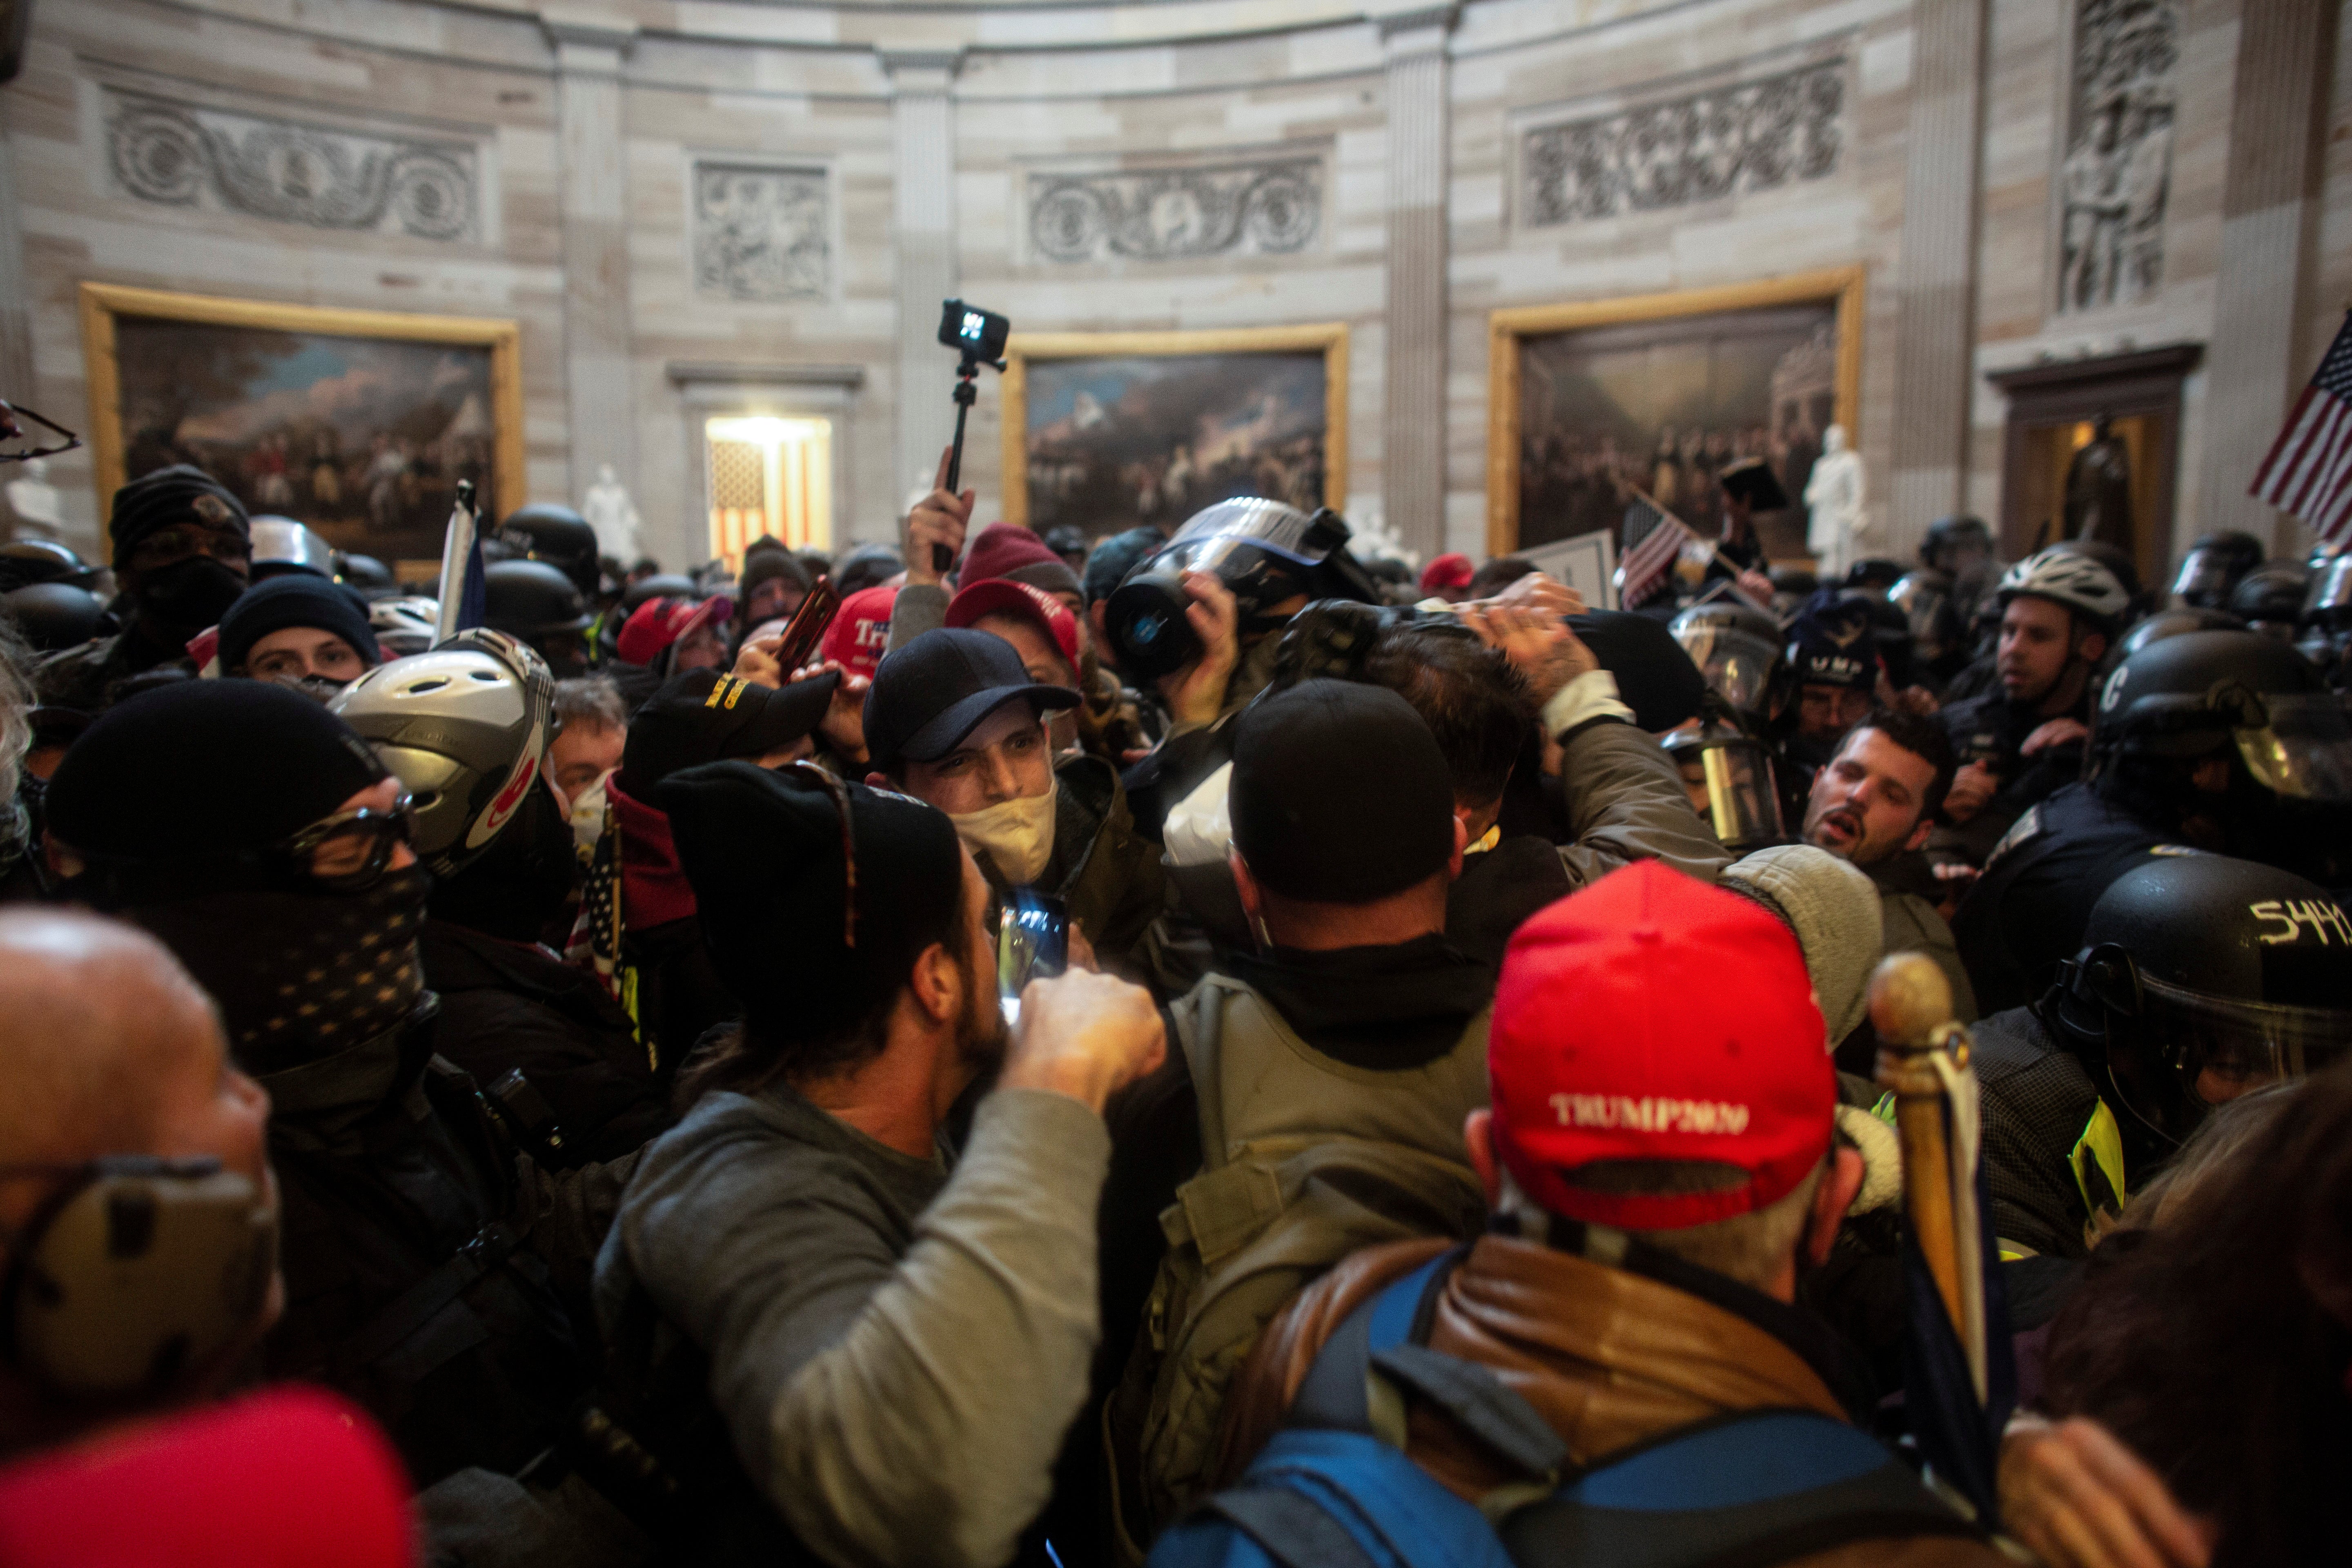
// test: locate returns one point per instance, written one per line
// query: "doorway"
(767, 476)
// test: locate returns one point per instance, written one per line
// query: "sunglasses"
(353, 850)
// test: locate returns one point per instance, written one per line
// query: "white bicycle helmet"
(465, 728)
(2070, 578)
(403, 627)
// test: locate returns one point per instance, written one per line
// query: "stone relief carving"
(180, 154)
(2118, 167)
(1267, 208)
(761, 233)
(1744, 136)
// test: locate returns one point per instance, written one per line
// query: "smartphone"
(805, 630)
(1032, 942)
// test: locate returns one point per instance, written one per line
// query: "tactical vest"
(1305, 1160)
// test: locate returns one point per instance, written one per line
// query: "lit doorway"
(766, 475)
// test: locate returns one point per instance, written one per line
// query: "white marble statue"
(613, 516)
(33, 500)
(1833, 495)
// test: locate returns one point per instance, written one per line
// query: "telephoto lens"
(1148, 631)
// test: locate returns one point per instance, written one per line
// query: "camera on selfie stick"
(979, 335)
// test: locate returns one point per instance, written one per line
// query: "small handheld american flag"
(1654, 540)
(2309, 469)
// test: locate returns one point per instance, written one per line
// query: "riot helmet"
(2201, 692)
(2270, 598)
(370, 576)
(2201, 979)
(1263, 551)
(28, 560)
(538, 604)
(465, 727)
(281, 545)
(1738, 649)
(1931, 610)
(405, 625)
(1954, 544)
(2212, 567)
(53, 616)
(557, 536)
(2172, 623)
(1729, 773)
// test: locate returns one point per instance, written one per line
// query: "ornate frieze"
(1751, 135)
(761, 232)
(2118, 166)
(1269, 207)
(182, 154)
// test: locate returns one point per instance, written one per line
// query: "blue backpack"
(1738, 1492)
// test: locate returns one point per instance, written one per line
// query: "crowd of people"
(1198, 1048)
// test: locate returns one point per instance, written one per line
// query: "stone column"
(599, 377)
(2252, 366)
(1412, 456)
(922, 140)
(16, 309)
(1936, 289)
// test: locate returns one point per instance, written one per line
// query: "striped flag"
(2309, 470)
(1654, 540)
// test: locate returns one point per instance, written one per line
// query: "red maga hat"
(658, 623)
(1003, 597)
(1447, 572)
(860, 633)
(1652, 1017)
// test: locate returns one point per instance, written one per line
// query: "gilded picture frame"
(1509, 329)
(357, 374)
(1211, 376)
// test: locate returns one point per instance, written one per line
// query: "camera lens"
(1148, 626)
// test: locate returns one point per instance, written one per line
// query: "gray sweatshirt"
(897, 1348)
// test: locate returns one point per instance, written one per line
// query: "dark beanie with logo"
(770, 863)
(1339, 794)
(167, 497)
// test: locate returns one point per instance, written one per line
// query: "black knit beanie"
(297, 599)
(168, 496)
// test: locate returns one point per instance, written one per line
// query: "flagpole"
(1714, 551)
(456, 548)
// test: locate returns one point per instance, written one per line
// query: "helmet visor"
(1737, 664)
(2205, 577)
(2222, 1048)
(1735, 775)
(1270, 525)
(2305, 751)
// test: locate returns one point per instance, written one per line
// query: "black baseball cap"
(928, 695)
(704, 716)
(1339, 794)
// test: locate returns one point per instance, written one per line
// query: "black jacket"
(506, 1007)
(1991, 730)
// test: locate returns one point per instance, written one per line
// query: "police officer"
(539, 605)
(2201, 979)
(2021, 740)
(2226, 742)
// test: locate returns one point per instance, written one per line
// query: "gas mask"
(1016, 835)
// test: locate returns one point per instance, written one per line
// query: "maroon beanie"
(1008, 549)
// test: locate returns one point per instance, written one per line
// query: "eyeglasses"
(353, 850)
(839, 791)
(11, 431)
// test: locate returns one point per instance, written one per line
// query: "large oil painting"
(359, 423)
(1112, 430)
(1660, 395)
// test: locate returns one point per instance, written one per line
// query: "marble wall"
(694, 205)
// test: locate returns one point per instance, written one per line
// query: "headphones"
(135, 1269)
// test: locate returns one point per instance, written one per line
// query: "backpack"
(1267, 1215)
(1335, 1490)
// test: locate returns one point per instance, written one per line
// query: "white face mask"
(588, 812)
(1017, 834)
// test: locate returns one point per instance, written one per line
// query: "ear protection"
(136, 1270)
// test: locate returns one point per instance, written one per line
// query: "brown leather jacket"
(1609, 1358)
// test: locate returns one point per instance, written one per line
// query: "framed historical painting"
(357, 423)
(1107, 430)
(1660, 392)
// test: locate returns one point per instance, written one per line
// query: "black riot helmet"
(2212, 567)
(2270, 598)
(1741, 652)
(53, 616)
(1729, 773)
(537, 604)
(2201, 978)
(2201, 692)
(2173, 622)
(372, 578)
(1931, 609)
(1263, 551)
(1953, 544)
(558, 536)
(27, 561)
(660, 585)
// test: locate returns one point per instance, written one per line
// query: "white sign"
(1587, 563)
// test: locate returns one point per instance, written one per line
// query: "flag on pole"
(1654, 540)
(2309, 469)
(464, 594)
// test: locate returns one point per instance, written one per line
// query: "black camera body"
(1262, 551)
(975, 333)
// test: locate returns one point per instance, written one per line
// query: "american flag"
(2309, 470)
(1655, 540)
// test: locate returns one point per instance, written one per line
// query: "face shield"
(2305, 753)
(1737, 664)
(1729, 777)
(1263, 551)
(2207, 575)
(2329, 601)
(2219, 1050)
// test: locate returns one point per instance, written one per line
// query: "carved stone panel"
(1269, 207)
(2118, 166)
(180, 155)
(761, 232)
(1744, 136)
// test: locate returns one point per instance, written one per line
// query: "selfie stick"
(967, 393)
(1922, 1058)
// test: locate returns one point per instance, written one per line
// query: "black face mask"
(521, 881)
(186, 596)
(302, 975)
(319, 689)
